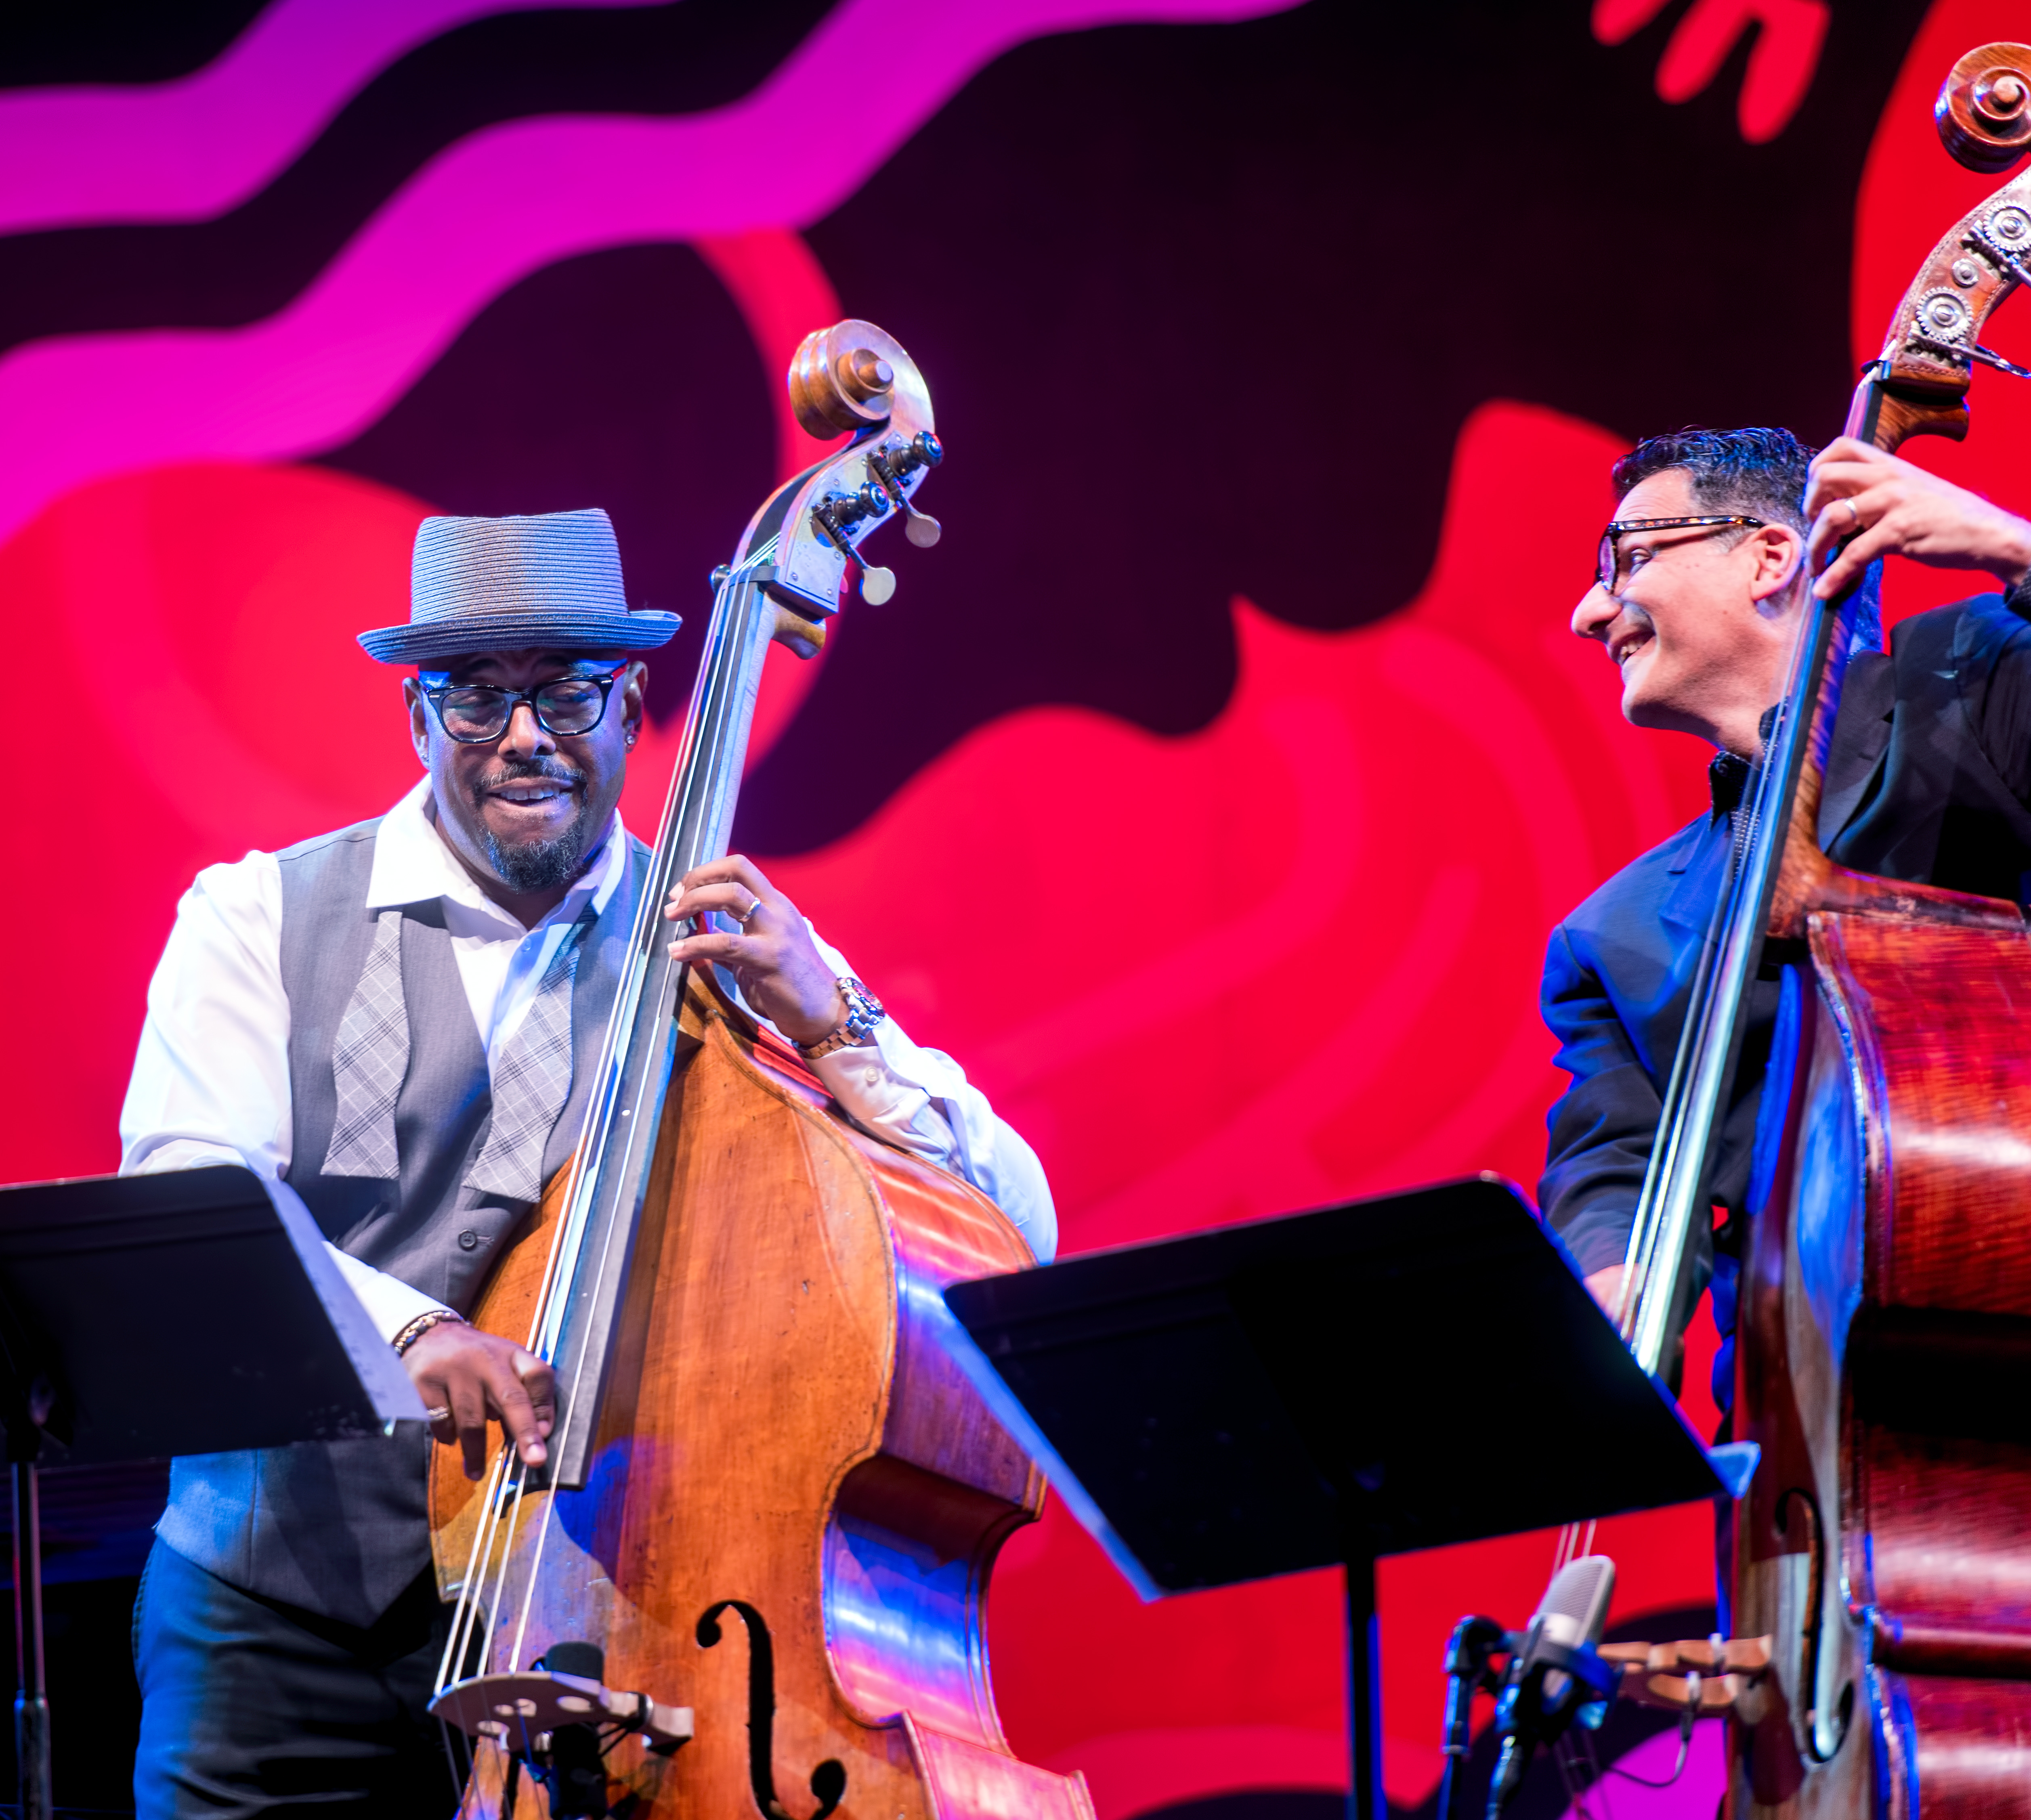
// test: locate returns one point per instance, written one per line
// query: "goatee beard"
(527, 866)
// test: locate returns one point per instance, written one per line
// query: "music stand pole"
(32, 1703)
(1365, 1799)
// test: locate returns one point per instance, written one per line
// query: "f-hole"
(1822, 1739)
(828, 1779)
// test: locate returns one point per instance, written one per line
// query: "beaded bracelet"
(421, 1325)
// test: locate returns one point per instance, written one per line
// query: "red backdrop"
(1288, 957)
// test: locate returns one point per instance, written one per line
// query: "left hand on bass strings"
(466, 1378)
(778, 967)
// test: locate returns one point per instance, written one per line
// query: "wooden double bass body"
(793, 1497)
(1884, 1322)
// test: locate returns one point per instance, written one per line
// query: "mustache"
(528, 771)
(1631, 615)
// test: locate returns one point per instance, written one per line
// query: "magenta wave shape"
(190, 149)
(488, 211)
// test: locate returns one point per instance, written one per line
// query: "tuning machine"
(834, 517)
(892, 466)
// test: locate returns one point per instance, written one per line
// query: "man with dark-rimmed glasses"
(398, 1021)
(1696, 595)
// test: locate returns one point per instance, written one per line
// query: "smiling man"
(1701, 580)
(400, 1021)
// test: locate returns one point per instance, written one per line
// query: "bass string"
(457, 1643)
(700, 770)
(1672, 1159)
(465, 1631)
(561, 1263)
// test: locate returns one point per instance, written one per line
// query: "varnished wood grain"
(1885, 1347)
(783, 1429)
(1941, 1019)
(1965, 1744)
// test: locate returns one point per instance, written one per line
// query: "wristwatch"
(863, 1018)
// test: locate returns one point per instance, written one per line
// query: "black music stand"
(195, 1311)
(1396, 1374)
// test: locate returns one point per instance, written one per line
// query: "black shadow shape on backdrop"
(625, 379)
(1203, 309)
(115, 40)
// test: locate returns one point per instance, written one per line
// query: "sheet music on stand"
(143, 1316)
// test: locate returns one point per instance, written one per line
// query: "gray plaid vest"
(339, 1529)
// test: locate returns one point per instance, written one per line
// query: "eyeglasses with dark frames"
(1607, 562)
(475, 714)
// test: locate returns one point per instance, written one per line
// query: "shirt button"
(468, 1240)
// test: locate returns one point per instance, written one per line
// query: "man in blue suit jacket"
(1702, 577)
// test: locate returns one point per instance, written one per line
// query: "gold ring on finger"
(754, 905)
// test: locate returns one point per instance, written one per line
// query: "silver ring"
(434, 1416)
(1852, 513)
(742, 919)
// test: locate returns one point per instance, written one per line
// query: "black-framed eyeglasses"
(1607, 562)
(475, 713)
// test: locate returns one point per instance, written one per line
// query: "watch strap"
(864, 1015)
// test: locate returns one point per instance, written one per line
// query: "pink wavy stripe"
(182, 151)
(489, 211)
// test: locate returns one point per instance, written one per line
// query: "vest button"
(468, 1240)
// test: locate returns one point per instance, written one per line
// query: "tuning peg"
(925, 451)
(832, 516)
(920, 527)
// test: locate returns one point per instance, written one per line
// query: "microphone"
(1556, 1677)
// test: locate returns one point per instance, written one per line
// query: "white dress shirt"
(211, 1078)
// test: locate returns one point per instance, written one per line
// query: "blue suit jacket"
(1927, 779)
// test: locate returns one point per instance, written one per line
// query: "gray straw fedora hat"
(549, 582)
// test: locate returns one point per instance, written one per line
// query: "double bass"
(1882, 1554)
(752, 1574)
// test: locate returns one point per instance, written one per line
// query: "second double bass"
(1883, 1553)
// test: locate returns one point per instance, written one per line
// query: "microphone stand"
(1474, 1642)
(31, 1702)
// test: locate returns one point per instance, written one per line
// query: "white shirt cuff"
(919, 1101)
(884, 1103)
(390, 1304)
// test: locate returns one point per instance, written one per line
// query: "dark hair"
(1761, 472)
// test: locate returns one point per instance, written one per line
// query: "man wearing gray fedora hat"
(398, 1022)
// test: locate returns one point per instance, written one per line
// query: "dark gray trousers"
(250, 1708)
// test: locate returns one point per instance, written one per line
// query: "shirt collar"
(412, 864)
(1727, 775)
